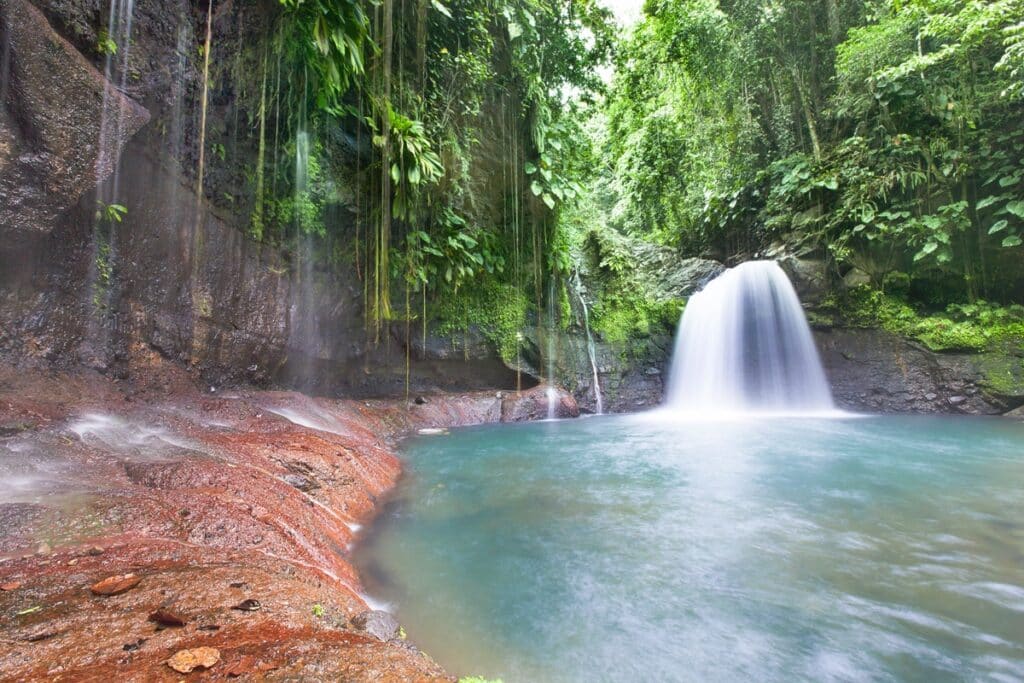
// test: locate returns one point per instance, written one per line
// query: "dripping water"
(101, 292)
(115, 70)
(591, 349)
(303, 323)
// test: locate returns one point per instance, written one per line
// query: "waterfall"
(118, 51)
(591, 349)
(744, 346)
(552, 393)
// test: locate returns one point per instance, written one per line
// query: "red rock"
(12, 586)
(115, 585)
(247, 665)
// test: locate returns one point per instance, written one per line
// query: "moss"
(497, 310)
(625, 314)
(1002, 374)
(973, 328)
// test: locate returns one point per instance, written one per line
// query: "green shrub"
(964, 327)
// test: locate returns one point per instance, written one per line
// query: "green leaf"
(549, 200)
(1012, 241)
(988, 201)
(536, 188)
(441, 8)
(1016, 208)
(997, 226)
(926, 250)
(530, 168)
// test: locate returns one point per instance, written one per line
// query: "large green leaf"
(1016, 208)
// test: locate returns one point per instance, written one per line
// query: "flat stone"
(115, 585)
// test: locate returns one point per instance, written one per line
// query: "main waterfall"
(744, 346)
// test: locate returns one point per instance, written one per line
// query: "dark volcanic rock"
(809, 277)
(874, 370)
(55, 103)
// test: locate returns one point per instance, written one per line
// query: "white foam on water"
(310, 416)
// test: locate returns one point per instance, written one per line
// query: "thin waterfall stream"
(591, 350)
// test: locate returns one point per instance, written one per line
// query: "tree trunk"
(805, 104)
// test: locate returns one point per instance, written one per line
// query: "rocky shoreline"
(142, 519)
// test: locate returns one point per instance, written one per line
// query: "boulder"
(809, 277)
(377, 623)
(856, 278)
(52, 121)
(877, 371)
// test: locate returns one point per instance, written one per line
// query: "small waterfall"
(552, 393)
(103, 291)
(591, 349)
(744, 346)
(304, 327)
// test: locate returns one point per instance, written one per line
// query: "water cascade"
(591, 349)
(744, 346)
(551, 393)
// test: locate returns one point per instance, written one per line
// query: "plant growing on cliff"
(110, 213)
(105, 45)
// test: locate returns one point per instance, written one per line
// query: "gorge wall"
(180, 276)
(174, 273)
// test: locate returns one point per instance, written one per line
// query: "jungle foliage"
(463, 157)
(440, 132)
(886, 135)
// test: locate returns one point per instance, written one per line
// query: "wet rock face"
(192, 287)
(55, 103)
(873, 370)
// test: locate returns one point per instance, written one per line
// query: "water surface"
(646, 549)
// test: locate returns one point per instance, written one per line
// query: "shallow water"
(650, 549)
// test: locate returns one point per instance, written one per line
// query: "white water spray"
(744, 346)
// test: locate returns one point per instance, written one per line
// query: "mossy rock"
(1002, 376)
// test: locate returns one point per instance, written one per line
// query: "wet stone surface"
(161, 510)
